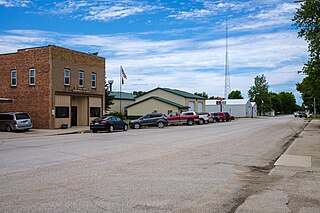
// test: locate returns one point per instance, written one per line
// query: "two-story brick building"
(54, 85)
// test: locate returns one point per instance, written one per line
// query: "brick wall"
(26, 98)
(75, 61)
(49, 63)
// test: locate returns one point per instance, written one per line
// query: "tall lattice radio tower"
(227, 86)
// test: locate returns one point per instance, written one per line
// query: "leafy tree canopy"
(108, 98)
(307, 19)
(236, 94)
(259, 93)
(138, 93)
(202, 94)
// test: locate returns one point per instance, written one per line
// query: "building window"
(32, 77)
(94, 111)
(93, 80)
(62, 112)
(13, 78)
(81, 78)
(66, 77)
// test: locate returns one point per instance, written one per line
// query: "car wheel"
(111, 128)
(136, 126)
(201, 121)
(8, 128)
(125, 127)
(94, 131)
(190, 122)
(160, 124)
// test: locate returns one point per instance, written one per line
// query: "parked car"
(228, 116)
(13, 121)
(108, 123)
(202, 118)
(209, 118)
(176, 118)
(219, 116)
(154, 119)
(300, 114)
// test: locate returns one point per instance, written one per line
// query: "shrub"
(118, 114)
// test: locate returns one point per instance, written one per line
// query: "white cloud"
(114, 12)
(281, 10)
(194, 14)
(100, 10)
(15, 3)
(189, 64)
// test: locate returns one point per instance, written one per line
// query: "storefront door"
(74, 114)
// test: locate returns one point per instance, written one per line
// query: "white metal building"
(235, 107)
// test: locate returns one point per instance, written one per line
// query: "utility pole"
(314, 108)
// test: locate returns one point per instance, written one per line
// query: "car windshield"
(21, 116)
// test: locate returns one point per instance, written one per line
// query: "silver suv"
(12, 121)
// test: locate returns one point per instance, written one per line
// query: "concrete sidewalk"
(45, 132)
(293, 185)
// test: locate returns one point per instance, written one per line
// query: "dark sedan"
(108, 123)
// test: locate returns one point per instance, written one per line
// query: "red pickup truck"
(184, 118)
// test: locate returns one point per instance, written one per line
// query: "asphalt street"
(208, 168)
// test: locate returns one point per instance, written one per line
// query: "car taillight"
(104, 122)
(14, 122)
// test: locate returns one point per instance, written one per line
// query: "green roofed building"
(126, 100)
(166, 100)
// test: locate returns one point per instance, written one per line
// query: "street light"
(110, 82)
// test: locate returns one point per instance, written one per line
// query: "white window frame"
(81, 79)
(66, 77)
(34, 77)
(13, 71)
(95, 80)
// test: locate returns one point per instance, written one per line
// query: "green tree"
(108, 101)
(288, 102)
(202, 94)
(307, 19)
(138, 93)
(236, 94)
(275, 102)
(259, 93)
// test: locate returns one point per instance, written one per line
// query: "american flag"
(123, 74)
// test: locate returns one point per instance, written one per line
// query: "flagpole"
(120, 88)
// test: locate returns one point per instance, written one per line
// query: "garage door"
(191, 106)
(200, 107)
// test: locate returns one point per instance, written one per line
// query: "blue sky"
(168, 43)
